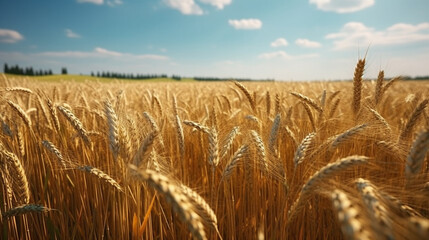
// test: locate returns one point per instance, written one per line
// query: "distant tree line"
(105, 74)
(225, 79)
(29, 71)
(415, 78)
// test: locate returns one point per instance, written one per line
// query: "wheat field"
(215, 160)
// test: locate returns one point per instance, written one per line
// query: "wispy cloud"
(186, 7)
(10, 36)
(219, 4)
(342, 6)
(284, 55)
(71, 34)
(355, 34)
(302, 42)
(113, 3)
(110, 3)
(279, 42)
(246, 24)
(98, 2)
(99, 52)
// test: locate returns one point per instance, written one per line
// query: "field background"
(253, 193)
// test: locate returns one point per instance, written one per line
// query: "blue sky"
(284, 40)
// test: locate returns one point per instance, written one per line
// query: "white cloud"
(302, 42)
(98, 2)
(113, 3)
(355, 34)
(10, 36)
(219, 4)
(284, 55)
(279, 42)
(187, 7)
(247, 24)
(71, 34)
(99, 52)
(107, 52)
(342, 6)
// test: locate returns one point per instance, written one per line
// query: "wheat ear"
(302, 148)
(20, 183)
(412, 121)
(201, 206)
(101, 175)
(53, 113)
(24, 209)
(21, 113)
(247, 94)
(260, 149)
(291, 135)
(349, 217)
(347, 135)
(379, 87)
(227, 142)
(174, 195)
(19, 89)
(75, 122)
(379, 214)
(323, 174)
(51, 147)
(144, 147)
(308, 100)
(381, 120)
(417, 155)
(113, 123)
(233, 162)
(268, 100)
(357, 86)
(273, 135)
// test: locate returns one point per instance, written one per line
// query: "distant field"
(106, 159)
(83, 78)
